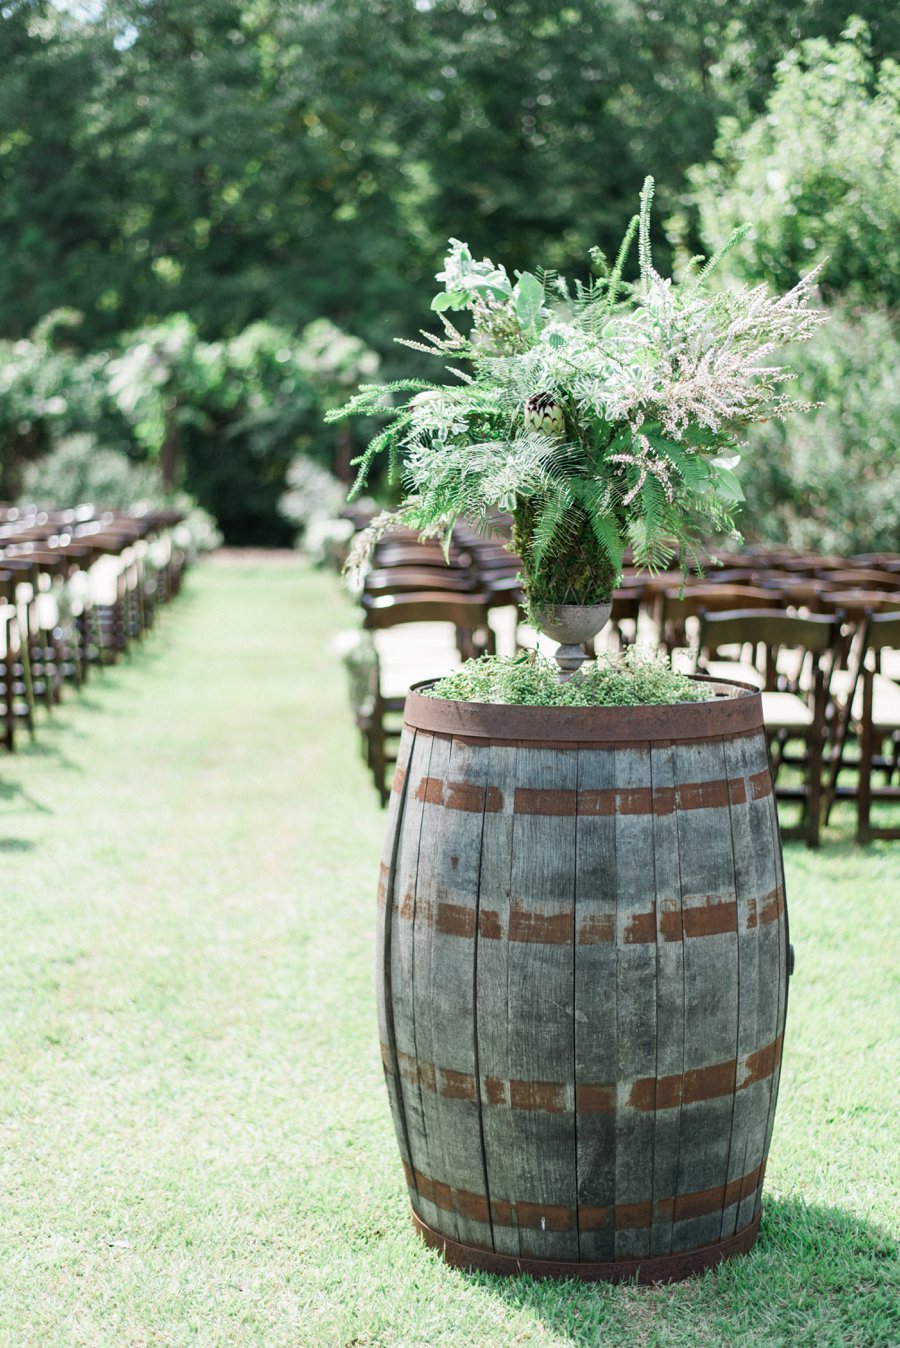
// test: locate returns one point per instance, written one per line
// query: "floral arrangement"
(602, 416)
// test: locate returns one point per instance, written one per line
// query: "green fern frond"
(653, 503)
(607, 533)
(367, 458)
(550, 527)
(370, 398)
(734, 238)
(645, 256)
(652, 552)
(548, 277)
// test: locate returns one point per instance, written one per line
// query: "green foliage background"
(266, 162)
(818, 173)
(239, 161)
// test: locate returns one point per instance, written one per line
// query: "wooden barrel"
(582, 982)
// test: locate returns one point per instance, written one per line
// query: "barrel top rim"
(734, 709)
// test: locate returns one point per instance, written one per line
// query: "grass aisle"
(196, 1147)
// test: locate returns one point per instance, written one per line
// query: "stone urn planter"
(582, 981)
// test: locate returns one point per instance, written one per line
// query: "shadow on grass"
(13, 792)
(816, 1276)
(46, 745)
(16, 845)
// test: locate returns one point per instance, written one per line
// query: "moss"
(580, 573)
(634, 680)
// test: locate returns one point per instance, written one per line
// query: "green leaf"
(696, 473)
(529, 295)
(452, 299)
(728, 484)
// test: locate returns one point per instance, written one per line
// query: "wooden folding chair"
(439, 630)
(416, 580)
(678, 606)
(878, 725)
(796, 657)
(10, 642)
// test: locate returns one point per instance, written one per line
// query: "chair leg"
(866, 750)
(8, 691)
(814, 791)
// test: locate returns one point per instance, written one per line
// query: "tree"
(818, 174)
(264, 160)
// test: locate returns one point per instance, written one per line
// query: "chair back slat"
(468, 611)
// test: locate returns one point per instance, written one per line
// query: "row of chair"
(77, 587)
(812, 637)
(451, 600)
(822, 689)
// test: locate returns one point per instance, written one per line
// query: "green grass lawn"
(196, 1145)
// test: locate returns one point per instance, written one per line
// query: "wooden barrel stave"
(635, 1000)
(751, 825)
(383, 952)
(670, 956)
(402, 973)
(595, 1011)
(502, 1027)
(496, 772)
(709, 917)
(447, 884)
(539, 1008)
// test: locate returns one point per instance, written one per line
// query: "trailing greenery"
(532, 680)
(602, 416)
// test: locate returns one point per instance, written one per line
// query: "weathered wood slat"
(595, 1011)
(428, 880)
(769, 997)
(403, 967)
(710, 984)
(541, 996)
(670, 1054)
(776, 936)
(635, 1008)
(455, 862)
(384, 915)
(751, 878)
(582, 989)
(491, 983)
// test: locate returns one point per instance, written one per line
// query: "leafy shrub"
(818, 173)
(226, 418)
(312, 504)
(79, 470)
(46, 390)
(635, 679)
(831, 481)
(601, 417)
